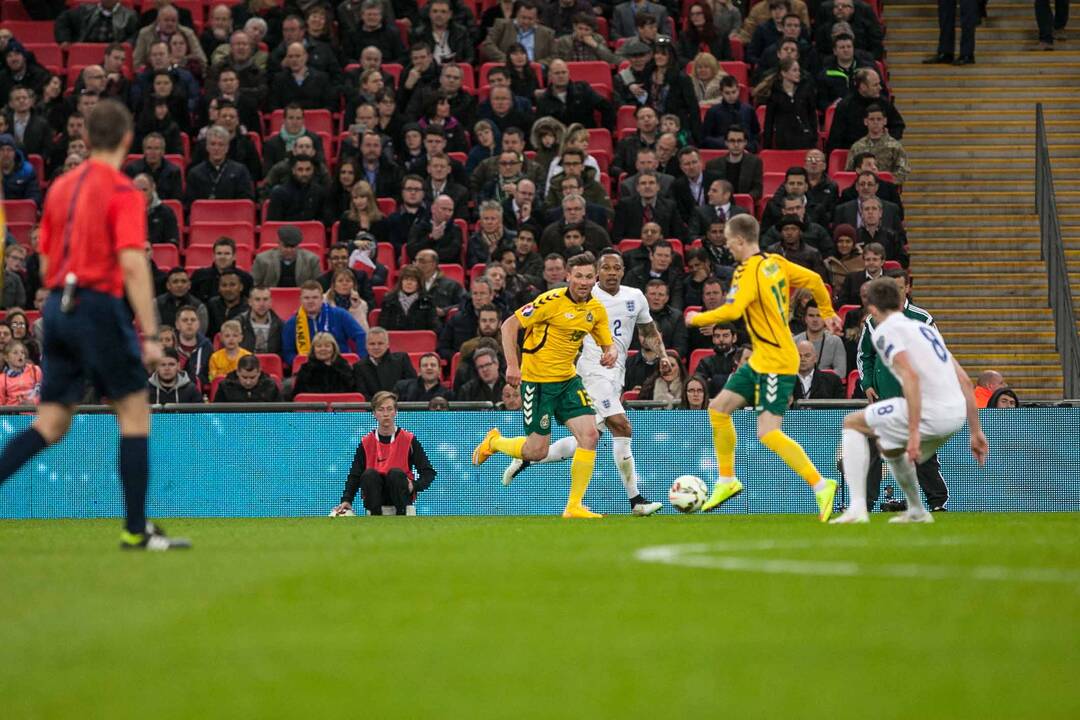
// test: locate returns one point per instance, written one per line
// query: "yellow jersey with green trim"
(760, 295)
(555, 327)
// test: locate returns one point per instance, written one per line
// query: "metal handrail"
(1052, 251)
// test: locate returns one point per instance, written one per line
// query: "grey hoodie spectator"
(170, 384)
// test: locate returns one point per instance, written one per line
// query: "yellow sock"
(792, 454)
(509, 446)
(581, 470)
(724, 438)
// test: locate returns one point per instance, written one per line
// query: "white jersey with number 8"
(929, 358)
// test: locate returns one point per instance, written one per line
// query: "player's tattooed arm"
(652, 342)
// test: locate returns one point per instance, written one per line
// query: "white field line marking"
(731, 556)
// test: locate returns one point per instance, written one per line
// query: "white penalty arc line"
(731, 556)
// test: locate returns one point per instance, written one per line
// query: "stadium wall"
(295, 464)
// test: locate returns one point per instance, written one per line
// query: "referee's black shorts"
(94, 343)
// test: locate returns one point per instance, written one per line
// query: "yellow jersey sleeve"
(742, 293)
(802, 277)
(541, 309)
(601, 330)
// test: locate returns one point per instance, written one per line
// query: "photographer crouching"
(383, 467)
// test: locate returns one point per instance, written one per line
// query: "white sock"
(624, 461)
(904, 472)
(561, 450)
(856, 449)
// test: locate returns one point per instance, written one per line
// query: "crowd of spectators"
(432, 168)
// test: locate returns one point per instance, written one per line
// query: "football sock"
(134, 475)
(904, 471)
(508, 446)
(624, 461)
(724, 438)
(561, 449)
(581, 470)
(795, 457)
(19, 449)
(856, 449)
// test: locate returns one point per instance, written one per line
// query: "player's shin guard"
(856, 449)
(561, 450)
(792, 454)
(581, 471)
(904, 472)
(624, 461)
(509, 446)
(134, 476)
(19, 449)
(724, 439)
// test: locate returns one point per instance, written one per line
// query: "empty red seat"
(317, 121)
(222, 210)
(697, 356)
(329, 398)
(852, 383)
(313, 232)
(780, 160)
(837, 161)
(771, 181)
(166, 255)
(207, 233)
(738, 69)
(285, 301)
(454, 272)
(271, 364)
(30, 31)
(47, 54)
(412, 340)
(594, 72)
(20, 211)
(600, 140)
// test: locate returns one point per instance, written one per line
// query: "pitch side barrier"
(291, 459)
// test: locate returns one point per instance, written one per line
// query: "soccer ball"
(343, 512)
(688, 493)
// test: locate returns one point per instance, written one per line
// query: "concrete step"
(984, 299)
(999, 361)
(1013, 349)
(988, 319)
(978, 266)
(1023, 52)
(912, 80)
(923, 151)
(943, 254)
(965, 333)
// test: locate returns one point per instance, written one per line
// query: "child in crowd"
(224, 361)
(20, 382)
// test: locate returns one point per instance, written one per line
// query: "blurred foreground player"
(93, 250)
(383, 466)
(937, 399)
(760, 295)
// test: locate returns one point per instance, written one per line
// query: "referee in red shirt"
(93, 251)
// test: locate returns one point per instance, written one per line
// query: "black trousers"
(969, 16)
(389, 489)
(1050, 20)
(928, 473)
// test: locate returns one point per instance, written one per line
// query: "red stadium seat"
(329, 398)
(404, 26)
(697, 356)
(843, 310)
(285, 301)
(84, 54)
(222, 210)
(313, 232)
(317, 121)
(271, 364)
(844, 180)
(46, 53)
(837, 161)
(631, 395)
(20, 211)
(384, 255)
(394, 70)
(178, 210)
(207, 233)
(600, 139)
(624, 118)
(736, 48)
(387, 206)
(30, 31)
(778, 161)
(373, 317)
(738, 69)
(594, 72)
(476, 271)
(166, 255)
(412, 340)
(891, 265)
(38, 164)
(378, 292)
(454, 272)
(852, 383)
(708, 155)
(628, 245)
(14, 10)
(21, 232)
(414, 358)
(771, 181)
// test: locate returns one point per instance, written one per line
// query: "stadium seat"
(373, 317)
(394, 70)
(594, 72)
(202, 255)
(697, 356)
(628, 244)
(14, 10)
(20, 211)
(412, 340)
(379, 292)
(404, 26)
(708, 155)
(624, 118)
(387, 206)
(837, 161)
(313, 232)
(844, 310)
(285, 301)
(30, 31)
(317, 121)
(178, 210)
(852, 383)
(329, 398)
(631, 395)
(222, 210)
(166, 255)
(207, 233)
(736, 48)
(414, 358)
(738, 69)
(770, 182)
(47, 54)
(38, 164)
(454, 362)
(21, 232)
(215, 384)
(600, 140)
(83, 54)
(271, 364)
(844, 180)
(454, 272)
(778, 161)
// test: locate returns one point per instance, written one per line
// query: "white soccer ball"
(688, 493)
(342, 512)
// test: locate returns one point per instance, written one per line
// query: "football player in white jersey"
(938, 397)
(628, 312)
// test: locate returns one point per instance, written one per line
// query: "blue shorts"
(94, 343)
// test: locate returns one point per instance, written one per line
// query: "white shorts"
(606, 395)
(889, 421)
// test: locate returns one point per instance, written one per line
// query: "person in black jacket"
(438, 232)
(167, 179)
(204, 281)
(247, 384)
(426, 385)
(848, 125)
(218, 178)
(241, 147)
(791, 113)
(381, 369)
(325, 371)
(161, 225)
(170, 384)
(488, 384)
(370, 29)
(463, 325)
(297, 83)
(36, 136)
(672, 91)
(383, 466)
(260, 324)
(634, 212)
(573, 102)
(408, 306)
(300, 198)
(102, 22)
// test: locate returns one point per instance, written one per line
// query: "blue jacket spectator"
(322, 317)
(20, 179)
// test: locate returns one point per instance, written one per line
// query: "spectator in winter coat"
(260, 324)
(463, 325)
(408, 306)
(20, 381)
(170, 384)
(20, 178)
(177, 296)
(488, 383)
(248, 383)
(106, 21)
(325, 371)
(382, 369)
(193, 347)
(316, 316)
(424, 386)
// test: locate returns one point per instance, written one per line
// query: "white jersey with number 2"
(626, 310)
(928, 357)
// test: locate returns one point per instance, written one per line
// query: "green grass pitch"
(977, 616)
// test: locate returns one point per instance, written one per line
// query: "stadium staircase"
(970, 198)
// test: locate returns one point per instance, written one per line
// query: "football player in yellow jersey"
(759, 295)
(555, 325)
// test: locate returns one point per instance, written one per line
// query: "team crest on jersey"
(545, 422)
(589, 317)
(630, 306)
(528, 310)
(771, 268)
(606, 404)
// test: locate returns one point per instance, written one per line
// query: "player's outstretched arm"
(733, 308)
(139, 286)
(913, 394)
(801, 277)
(980, 448)
(510, 328)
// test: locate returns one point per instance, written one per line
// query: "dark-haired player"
(93, 251)
(555, 325)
